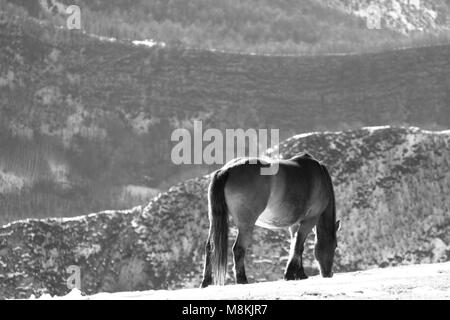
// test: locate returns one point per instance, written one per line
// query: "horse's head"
(324, 252)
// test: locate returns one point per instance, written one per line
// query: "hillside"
(259, 26)
(86, 123)
(427, 281)
(391, 186)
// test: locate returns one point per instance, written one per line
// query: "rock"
(440, 250)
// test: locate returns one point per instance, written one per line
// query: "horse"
(299, 197)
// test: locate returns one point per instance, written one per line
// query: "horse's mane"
(304, 155)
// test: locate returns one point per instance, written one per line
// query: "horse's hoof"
(302, 277)
(289, 277)
(242, 282)
(204, 284)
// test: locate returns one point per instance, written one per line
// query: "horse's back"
(274, 201)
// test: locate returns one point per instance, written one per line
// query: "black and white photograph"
(224, 153)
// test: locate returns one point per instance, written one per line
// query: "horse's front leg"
(294, 267)
(240, 246)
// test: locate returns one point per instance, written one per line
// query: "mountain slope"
(86, 123)
(391, 186)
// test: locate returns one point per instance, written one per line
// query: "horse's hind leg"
(240, 246)
(294, 268)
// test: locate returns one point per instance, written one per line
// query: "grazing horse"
(298, 196)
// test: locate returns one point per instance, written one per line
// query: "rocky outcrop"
(391, 188)
(403, 16)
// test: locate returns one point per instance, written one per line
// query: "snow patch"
(442, 132)
(11, 182)
(87, 251)
(60, 172)
(75, 294)
(426, 281)
(303, 135)
(140, 191)
(375, 128)
(148, 43)
(142, 123)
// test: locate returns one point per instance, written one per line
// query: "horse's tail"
(218, 217)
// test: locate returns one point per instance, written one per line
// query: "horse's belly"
(270, 220)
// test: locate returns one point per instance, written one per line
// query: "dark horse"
(298, 196)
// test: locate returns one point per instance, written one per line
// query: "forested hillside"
(261, 26)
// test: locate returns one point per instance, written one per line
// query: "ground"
(426, 281)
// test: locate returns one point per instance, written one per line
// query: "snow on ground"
(426, 281)
(148, 43)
